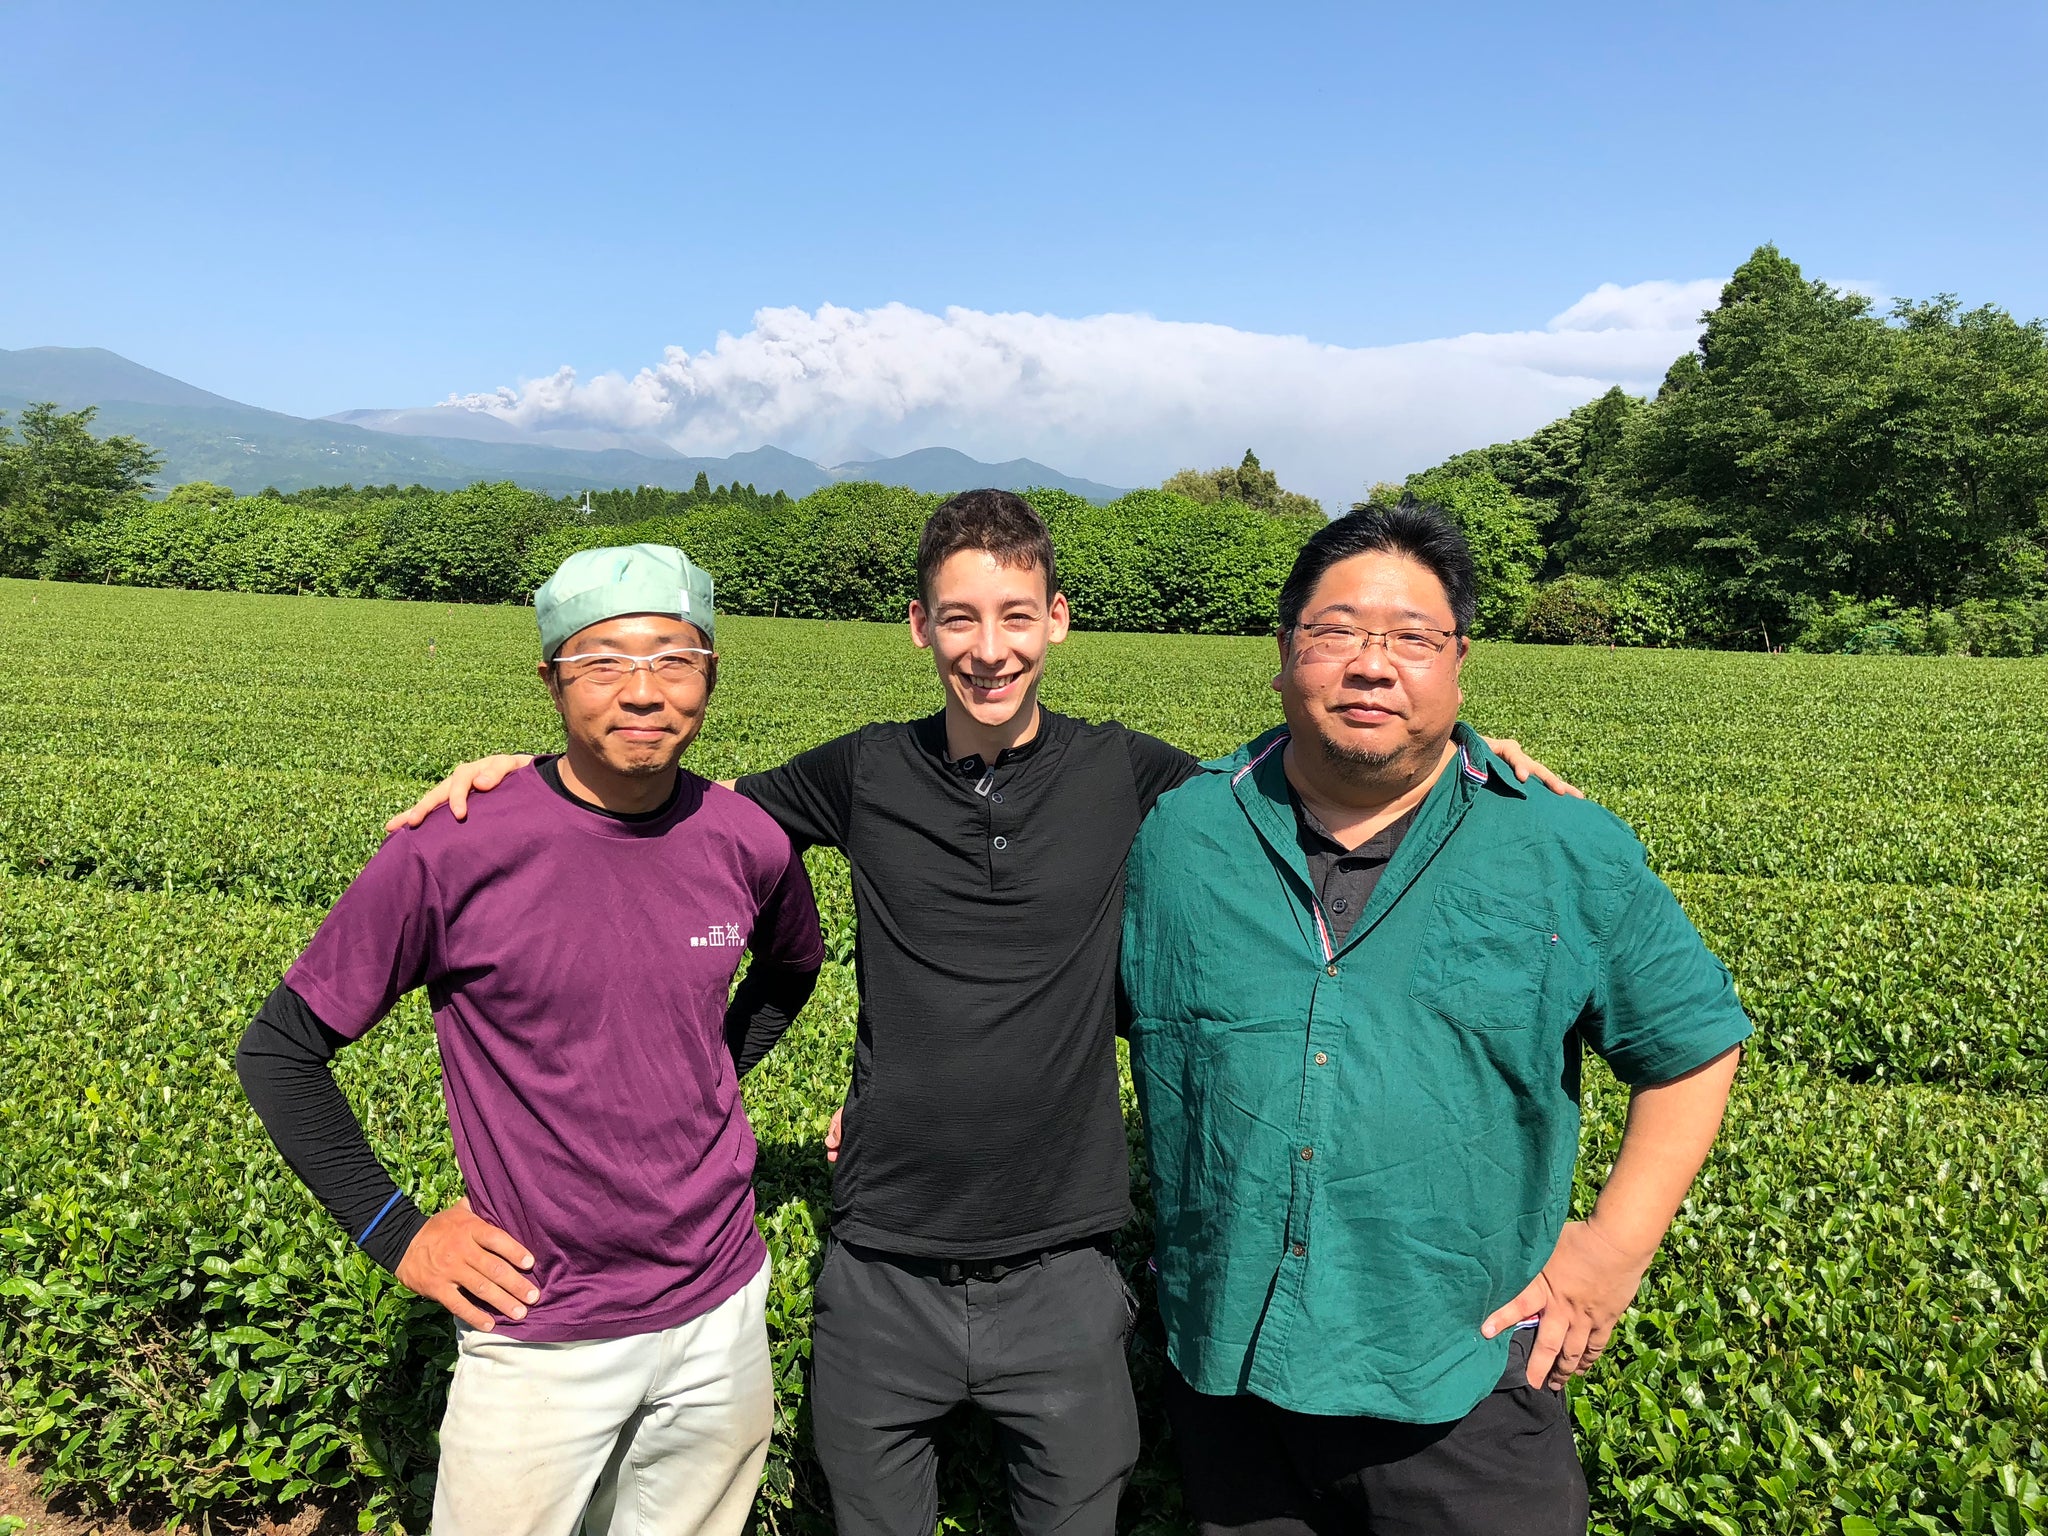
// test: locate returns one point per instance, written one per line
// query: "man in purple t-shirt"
(603, 1265)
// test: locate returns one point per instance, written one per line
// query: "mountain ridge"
(205, 436)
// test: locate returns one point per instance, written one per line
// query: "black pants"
(1251, 1469)
(897, 1342)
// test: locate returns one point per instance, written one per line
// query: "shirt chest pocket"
(1485, 961)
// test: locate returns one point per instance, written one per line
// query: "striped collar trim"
(1277, 741)
(1471, 769)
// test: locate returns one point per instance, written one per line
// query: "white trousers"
(658, 1434)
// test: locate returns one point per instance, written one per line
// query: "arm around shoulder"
(483, 775)
(811, 795)
(788, 951)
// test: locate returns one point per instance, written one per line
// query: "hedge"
(1151, 562)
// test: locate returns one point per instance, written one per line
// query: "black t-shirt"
(983, 1120)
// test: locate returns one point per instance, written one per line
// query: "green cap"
(597, 584)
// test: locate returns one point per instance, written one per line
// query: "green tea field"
(1847, 1330)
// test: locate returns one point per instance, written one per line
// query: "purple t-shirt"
(578, 969)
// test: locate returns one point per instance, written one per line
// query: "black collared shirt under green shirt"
(1344, 878)
(984, 1118)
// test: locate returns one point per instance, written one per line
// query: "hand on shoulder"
(1511, 752)
(485, 774)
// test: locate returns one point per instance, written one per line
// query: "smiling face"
(1373, 716)
(641, 726)
(988, 626)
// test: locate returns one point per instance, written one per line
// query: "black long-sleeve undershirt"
(284, 1064)
(763, 1006)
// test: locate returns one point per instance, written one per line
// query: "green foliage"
(58, 476)
(1148, 562)
(1152, 561)
(1157, 561)
(1249, 482)
(460, 546)
(648, 502)
(1557, 468)
(1814, 470)
(1845, 1329)
(1814, 447)
(1573, 610)
(464, 547)
(1880, 627)
(1847, 1324)
(1877, 981)
(1669, 607)
(1506, 551)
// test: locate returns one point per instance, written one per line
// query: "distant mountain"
(433, 421)
(204, 436)
(481, 426)
(75, 376)
(948, 469)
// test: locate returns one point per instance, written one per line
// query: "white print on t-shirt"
(720, 936)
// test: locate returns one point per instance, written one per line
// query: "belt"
(960, 1271)
(986, 1271)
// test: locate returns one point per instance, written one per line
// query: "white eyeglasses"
(610, 669)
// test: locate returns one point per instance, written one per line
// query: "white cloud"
(1123, 398)
(1649, 306)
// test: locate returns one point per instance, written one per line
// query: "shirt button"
(1330, 969)
(1340, 905)
(1300, 1249)
(1308, 1154)
(1322, 1058)
(997, 797)
(1001, 844)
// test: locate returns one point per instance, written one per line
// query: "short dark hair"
(1002, 523)
(1415, 529)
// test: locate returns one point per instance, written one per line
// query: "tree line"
(1812, 474)
(1153, 560)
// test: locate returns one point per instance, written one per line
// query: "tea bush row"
(301, 834)
(403, 689)
(1849, 1318)
(1848, 1325)
(1846, 1329)
(1899, 981)
(1891, 983)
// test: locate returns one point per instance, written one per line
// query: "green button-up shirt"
(1358, 1151)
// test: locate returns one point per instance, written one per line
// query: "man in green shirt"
(1361, 961)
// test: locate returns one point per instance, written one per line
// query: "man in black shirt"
(988, 883)
(982, 1167)
(983, 1164)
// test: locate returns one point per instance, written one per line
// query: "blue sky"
(313, 208)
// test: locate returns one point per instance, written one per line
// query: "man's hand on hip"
(1592, 1276)
(486, 773)
(457, 1251)
(1580, 1295)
